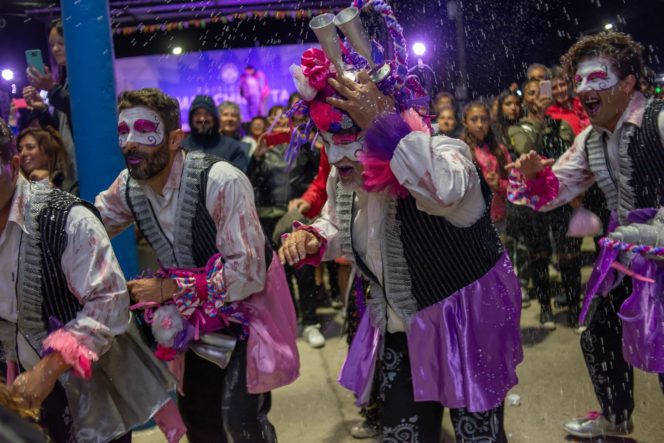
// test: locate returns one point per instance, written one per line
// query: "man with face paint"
(410, 211)
(623, 152)
(64, 318)
(198, 214)
(205, 135)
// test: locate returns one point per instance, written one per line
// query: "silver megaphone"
(350, 24)
(348, 20)
(326, 33)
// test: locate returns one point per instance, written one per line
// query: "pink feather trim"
(378, 176)
(74, 353)
(536, 192)
(414, 121)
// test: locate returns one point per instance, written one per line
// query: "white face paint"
(595, 74)
(337, 151)
(140, 125)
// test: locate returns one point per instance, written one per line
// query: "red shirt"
(316, 193)
(576, 117)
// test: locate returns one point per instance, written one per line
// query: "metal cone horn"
(326, 33)
(350, 24)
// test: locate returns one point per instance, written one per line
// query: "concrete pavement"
(554, 386)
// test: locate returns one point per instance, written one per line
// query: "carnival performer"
(411, 211)
(623, 152)
(65, 322)
(219, 275)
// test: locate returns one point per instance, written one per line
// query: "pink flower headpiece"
(310, 79)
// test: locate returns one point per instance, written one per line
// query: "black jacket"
(214, 143)
(275, 183)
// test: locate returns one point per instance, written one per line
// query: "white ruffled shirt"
(230, 202)
(92, 272)
(440, 174)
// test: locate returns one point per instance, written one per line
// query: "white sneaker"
(580, 329)
(313, 336)
(363, 430)
(595, 425)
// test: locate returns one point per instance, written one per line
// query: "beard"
(150, 165)
(200, 131)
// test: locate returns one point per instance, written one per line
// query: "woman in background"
(43, 156)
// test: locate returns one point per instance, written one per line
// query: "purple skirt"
(463, 350)
(642, 314)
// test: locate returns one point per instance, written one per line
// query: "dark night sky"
(501, 36)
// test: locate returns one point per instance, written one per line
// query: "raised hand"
(530, 164)
(364, 101)
(301, 205)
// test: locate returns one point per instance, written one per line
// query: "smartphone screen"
(34, 58)
(19, 103)
(545, 88)
(277, 138)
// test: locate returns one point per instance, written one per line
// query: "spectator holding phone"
(550, 138)
(57, 88)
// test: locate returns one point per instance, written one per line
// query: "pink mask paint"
(140, 125)
(595, 74)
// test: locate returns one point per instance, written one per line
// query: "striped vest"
(193, 243)
(42, 286)
(194, 240)
(425, 258)
(639, 181)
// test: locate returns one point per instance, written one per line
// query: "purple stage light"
(8, 74)
(419, 48)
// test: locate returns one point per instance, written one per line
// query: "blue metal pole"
(89, 47)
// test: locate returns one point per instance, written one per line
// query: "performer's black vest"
(440, 258)
(58, 301)
(41, 284)
(639, 180)
(195, 236)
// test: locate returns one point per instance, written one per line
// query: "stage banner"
(255, 78)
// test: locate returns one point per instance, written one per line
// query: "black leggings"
(612, 377)
(555, 222)
(404, 420)
(216, 406)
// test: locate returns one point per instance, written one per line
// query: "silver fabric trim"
(377, 306)
(396, 275)
(29, 285)
(598, 165)
(178, 253)
(187, 200)
(128, 386)
(627, 198)
(149, 226)
(344, 210)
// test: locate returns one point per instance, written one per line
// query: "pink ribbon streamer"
(625, 270)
